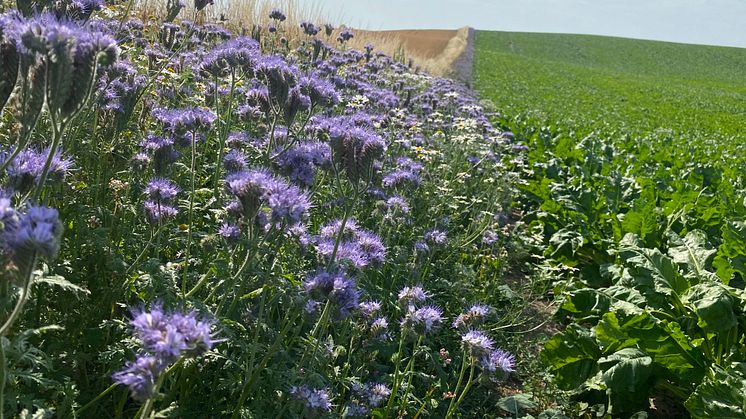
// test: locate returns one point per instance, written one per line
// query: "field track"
(448, 52)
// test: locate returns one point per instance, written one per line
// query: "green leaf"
(693, 251)
(714, 306)
(651, 272)
(61, 282)
(564, 244)
(731, 255)
(516, 404)
(571, 356)
(722, 396)
(625, 375)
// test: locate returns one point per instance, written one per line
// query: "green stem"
(28, 282)
(395, 388)
(57, 131)
(96, 399)
(469, 383)
(190, 216)
(458, 383)
(3, 377)
(408, 373)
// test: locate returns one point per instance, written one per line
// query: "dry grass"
(432, 50)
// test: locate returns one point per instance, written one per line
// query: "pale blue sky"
(713, 22)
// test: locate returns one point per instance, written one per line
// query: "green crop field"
(634, 183)
(640, 85)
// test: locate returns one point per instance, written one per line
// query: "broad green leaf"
(693, 251)
(662, 340)
(713, 305)
(731, 255)
(722, 396)
(585, 302)
(625, 375)
(564, 244)
(571, 356)
(516, 404)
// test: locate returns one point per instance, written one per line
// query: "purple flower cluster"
(355, 149)
(360, 247)
(335, 287)
(474, 316)
(317, 400)
(258, 188)
(277, 15)
(299, 163)
(25, 170)
(165, 337)
(407, 173)
(180, 122)
(37, 232)
(160, 194)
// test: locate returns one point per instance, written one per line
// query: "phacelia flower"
(37, 232)
(477, 343)
(336, 287)
(314, 399)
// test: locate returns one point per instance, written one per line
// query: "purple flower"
(161, 190)
(37, 232)
(319, 90)
(474, 315)
(300, 162)
(158, 212)
(490, 237)
(26, 169)
(369, 308)
(287, 203)
(345, 36)
(377, 393)
(140, 376)
(436, 237)
(249, 186)
(411, 295)
(182, 121)
(229, 231)
(498, 362)
(355, 149)
(169, 335)
(422, 320)
(276, 14)
(358, 246)
(235, 161)
(314, 399)
(477, 343)
(336, 287)
(309, 28)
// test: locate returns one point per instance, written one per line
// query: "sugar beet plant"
(197, 224)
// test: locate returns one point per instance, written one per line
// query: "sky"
(710, 22)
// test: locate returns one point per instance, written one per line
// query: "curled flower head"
(422, 320)
(160, 189)
(477, 343)
(139, 376)
(337, 288)
(37, 232)
(412, 295)
(498, 362)
(314, 399)
(473, 316)
(277, 15)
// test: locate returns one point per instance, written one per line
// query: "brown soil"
(427, 42)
